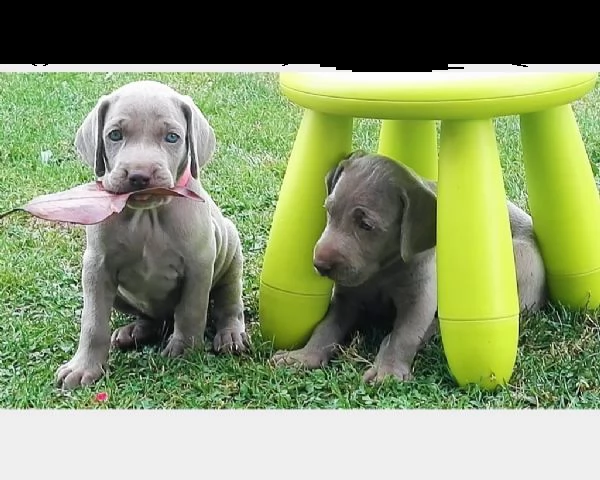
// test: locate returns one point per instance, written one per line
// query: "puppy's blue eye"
(172, 137)
(115, 135)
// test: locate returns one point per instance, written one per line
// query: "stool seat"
(433, 96)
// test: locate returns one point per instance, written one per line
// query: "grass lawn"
(558, 363)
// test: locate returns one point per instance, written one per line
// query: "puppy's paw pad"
(379, 373)
(231, 341)
(298, 358)
(76, 374)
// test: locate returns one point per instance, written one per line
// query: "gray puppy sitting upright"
(162, 258)
(379, 249)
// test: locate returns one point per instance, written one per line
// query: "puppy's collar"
(185, 178)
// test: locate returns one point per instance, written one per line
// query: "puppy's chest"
(152, 267)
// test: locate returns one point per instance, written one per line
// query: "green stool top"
(434, 96)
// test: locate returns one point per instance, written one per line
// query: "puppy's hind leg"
(531, 275)
(228, 310)
(143, 331)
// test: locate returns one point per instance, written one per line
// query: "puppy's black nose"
(324, 268)
(139, 180)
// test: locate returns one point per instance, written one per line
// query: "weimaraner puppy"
(162, 259)
(378, 247)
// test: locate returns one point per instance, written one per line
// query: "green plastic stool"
(478, 307)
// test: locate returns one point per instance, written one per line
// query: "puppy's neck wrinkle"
(139, 219)
(392, 262)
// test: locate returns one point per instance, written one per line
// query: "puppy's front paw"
(176, 347)
(382, 370)
(299, 358)
(231, 341)
(79, 371)
(135, 335)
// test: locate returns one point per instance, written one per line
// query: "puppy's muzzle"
(326, 259)
(322, 267)
(138, 180)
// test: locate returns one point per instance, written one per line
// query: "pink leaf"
(89, 203)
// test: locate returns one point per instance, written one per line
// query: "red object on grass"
(101, 397)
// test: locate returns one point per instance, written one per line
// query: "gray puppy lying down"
(162, 259)
(378, 247)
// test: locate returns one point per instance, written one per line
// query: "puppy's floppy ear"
(357, 154)
(334, 174)
(200, 136)
(89, 140)
(419, 218)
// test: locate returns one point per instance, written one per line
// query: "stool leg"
(565, 206)
(478, 305)
(292, 297)
(412, 143)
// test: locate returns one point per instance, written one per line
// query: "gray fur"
(378, 247)
(161, 260)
